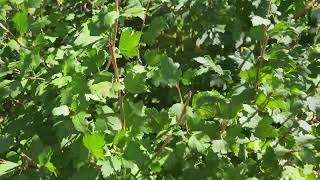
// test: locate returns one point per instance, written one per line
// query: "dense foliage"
(159, 89)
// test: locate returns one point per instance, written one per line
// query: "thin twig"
(112, 47)
(6, 30)
(35, 78)
(261, 57)
(29, 160)
(259, 109)
(185, 109)
(11, 34)
(264, 44)
(179, 93)
(178, 121)
(170, 137)
(141, 29)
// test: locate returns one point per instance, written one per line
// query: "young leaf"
(20, 21)
(94, 143)
(129, 41)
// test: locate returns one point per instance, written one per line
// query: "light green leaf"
(135, 11)
(20, 21)
(176, 110)
(106, 168)
(103, 90)
(61, 110)
(84, 38)
(79, 121)
(129, 41)
(276, 103)
(7, 167)
(45, 160)
(110, 18)
(257, 20)
(208, 64)
(116, 163)
(62, 81)
(219, 146)
(199, 142)
(94, 143)
(313, 103)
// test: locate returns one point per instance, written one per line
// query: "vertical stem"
(264, 44)
(179, 93)
(112, 48)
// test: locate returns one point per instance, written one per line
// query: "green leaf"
(35, 60)
(129, 41)
(40, 23)
(103, 21)
(169, 73)
(135, 11)
(257, 20)
(110, 18)
(62, 81)
(79, 121)
(208, 64)
(103, 90)
(94, 143)
(61, 111)
(205, 104)
(20, 21)
(219, 146)
(265, 129)
(176, 109)
(119, 136)
(313, 103)
(135, 153)
(116, 163)
(134, 114)
(153, 57)
(110, 166)
(84, 38)
(45, 160)
(135, 79)
(199, 141)
(106, 168)
(276, 103)
(156, 27)
(7, 167)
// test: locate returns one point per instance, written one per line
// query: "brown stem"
(260, 108)
(179, 93)
(185, 109)
(29, 160)
(264, 44)
(12, 35)
(178, 120)
(112, 48)
(170, 137)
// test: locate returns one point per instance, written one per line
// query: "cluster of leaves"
(251, 66)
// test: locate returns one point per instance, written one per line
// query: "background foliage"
(247, 72)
